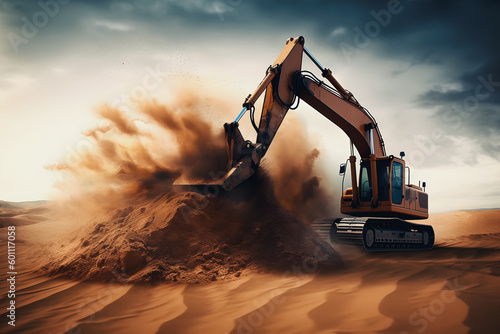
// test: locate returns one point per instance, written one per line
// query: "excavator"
(379, 200)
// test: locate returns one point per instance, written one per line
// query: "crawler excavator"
(378, 200)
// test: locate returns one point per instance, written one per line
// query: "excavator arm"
(284, 84)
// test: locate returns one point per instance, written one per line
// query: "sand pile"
(188, 237)
(141, 230)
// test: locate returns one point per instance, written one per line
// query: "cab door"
(397, 183)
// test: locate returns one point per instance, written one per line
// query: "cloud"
(338, 31)
(113, 26)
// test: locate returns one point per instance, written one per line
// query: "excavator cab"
(394, 197)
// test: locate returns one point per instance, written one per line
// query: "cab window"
(397, 182)
(365, 183)
(382, 181)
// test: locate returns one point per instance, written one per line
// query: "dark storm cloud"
(425, 31)
(30, 24)
(467, 44)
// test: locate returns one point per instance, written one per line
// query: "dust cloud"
(138, 227)
(137, 156)
(295, 175)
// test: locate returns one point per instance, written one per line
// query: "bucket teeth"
(236, 175)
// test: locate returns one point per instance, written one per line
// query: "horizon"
(48, 201)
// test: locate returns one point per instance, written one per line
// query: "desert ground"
(452, 288)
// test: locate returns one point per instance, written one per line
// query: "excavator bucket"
(243, 160)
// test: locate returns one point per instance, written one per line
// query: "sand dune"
(479, 229)
(452, 288)
(24, 213)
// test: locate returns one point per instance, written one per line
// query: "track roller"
(376, 234)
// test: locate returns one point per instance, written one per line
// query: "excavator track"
(376, 234)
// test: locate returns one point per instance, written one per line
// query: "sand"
(23, 213)
(452, 288)
(191, 238)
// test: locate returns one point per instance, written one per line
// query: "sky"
(428, 71)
